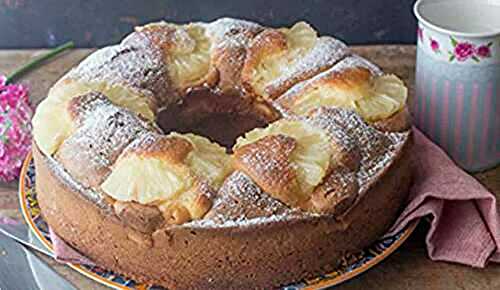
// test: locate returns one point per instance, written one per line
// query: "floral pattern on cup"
(460, 51)
(420, 33)
(484, 51)
(434, 45)
(464, 50)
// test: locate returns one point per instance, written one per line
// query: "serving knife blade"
(22, 234)
(21, 269)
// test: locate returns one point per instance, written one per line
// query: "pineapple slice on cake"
(119, 95)
(273, 51)
(58, 116)
(52, 124)
(308, 158)
(186, 49)
(374, 97)
(177, 172)
(146, 179)
(207, 159)
(191, 59)
(388, 96)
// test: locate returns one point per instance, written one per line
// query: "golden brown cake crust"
(399, 122)
(187, 257)
(267, 163)
(190, 219)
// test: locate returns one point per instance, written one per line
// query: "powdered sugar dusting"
(136, 68)
(339, 184)
(326, 52)
(240, 187)
(334, 130)
(357, 61)
(241, 202)
(81, 107)
(337, 193)
(145, 140)
(139, 65)
(104, 131)
(272, 158)
(351, 61)
(232, 33)
(107, 138)
(378, 149)
(92, 195)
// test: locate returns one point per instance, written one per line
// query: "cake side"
(180, 257)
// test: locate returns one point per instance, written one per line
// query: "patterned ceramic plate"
(351, 266)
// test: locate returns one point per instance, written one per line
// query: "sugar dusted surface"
(135, 68)
(260, 161)
(145, 140)
(339, 182)
(240, 188)
(323, 55)
(105, 133)
(227, 32)
(357, 61)
(334, 129)
(137, 65)
(97, 197)
(92, 104)
(350, 61)
(378, 149)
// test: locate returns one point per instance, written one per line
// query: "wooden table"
(407, 268)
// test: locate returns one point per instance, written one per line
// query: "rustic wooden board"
(407, 268)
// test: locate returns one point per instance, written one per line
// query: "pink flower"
(15, 128)
(420, 33)
(483, 51)
(464, 50)
(3, 81)
(15, 117)
(434, 45)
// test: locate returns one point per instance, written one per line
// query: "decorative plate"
(351, 266)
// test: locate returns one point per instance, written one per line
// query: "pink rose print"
(420, 33)
(484, 51)
(464, 51)
(434, 45)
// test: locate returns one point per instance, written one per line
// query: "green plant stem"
(38, 60)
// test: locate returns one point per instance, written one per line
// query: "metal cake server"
(21, 269)
(22, 234)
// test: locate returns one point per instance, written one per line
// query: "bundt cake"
(222, 155)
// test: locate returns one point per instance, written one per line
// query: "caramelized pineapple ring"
(288, 159)
(186, 49)
(273, 51)
(53, 123)
(373, 97)
(177, 172)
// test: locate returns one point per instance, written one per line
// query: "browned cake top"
(322, 149)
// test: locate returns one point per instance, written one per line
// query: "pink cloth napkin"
(8, 221)
(64, 253)
(465, 223)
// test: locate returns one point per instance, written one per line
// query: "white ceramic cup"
(457, 92)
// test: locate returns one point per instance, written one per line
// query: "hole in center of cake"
(220, 117)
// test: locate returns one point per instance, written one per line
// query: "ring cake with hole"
(223, 155)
